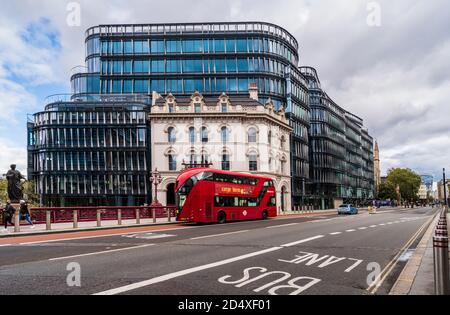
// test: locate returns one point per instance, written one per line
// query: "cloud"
(12, 153)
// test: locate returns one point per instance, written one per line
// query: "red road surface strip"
(99, 233)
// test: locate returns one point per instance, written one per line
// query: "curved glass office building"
(89, 149)
(341, 151)
(90, 153)
(210, 58)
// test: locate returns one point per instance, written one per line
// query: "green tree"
(3, 191)
(387, 191)
(408, 181)
(30, 194)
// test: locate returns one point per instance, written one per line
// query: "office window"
(117, 67)
(116, 86)
(243, 65)
(173, 66)
(219, 45)
(172, 163)
(221, 85)
(174, 86)
(128, 47)
(173, 46)
(241, 45)
(141, 47)
(231, 65)
(127, 66)
(141, 86)
(243, 85)
(158, 66)
(192, 46)
(252, 135)
(117, 47)
(127, 86)
(172, 135)
(204, 135)
(220, 65)
(225, 135)
(193, 66)
(232, 85)
(157, 46)
(192, 135)
(158, 86)
(231, 45)
(141, 66)
(226, 165)
(253, 163)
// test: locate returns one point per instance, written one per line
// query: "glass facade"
(210, 58)
(90, 154)
(341, 152)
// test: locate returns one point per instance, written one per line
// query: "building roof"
(210, 100)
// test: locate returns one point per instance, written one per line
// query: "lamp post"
(156, 180)
(445, 189)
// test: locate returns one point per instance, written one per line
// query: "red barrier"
(89, 214)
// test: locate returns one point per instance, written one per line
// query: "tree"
(408, 181)
(3, 191)
(387, 191)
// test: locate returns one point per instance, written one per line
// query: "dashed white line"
(349, 231)
(363, 228)
(103, 252)
(373, 226)
(217, 235)
(303, 241)
(382, 224)
(5, 245)
(335, 233)
(279, 226)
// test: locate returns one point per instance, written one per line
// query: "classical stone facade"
(233, 133)
(377, 168)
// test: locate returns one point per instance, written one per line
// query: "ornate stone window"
(192, 135)
(252, 135)
(253, 162)
(204, 135)
(225, 135)
(172, 137)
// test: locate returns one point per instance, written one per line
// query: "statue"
(15, 190)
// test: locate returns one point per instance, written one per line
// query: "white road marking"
(280, 226)
(335, 233)
(363, 228)
(382, 224)
(5, 245)
(217, 235)
(348, 231)
(303, 241)
(148, 236)
(185, 272)
(373, 226)
(103, 252)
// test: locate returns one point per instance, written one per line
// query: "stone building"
(233, 133)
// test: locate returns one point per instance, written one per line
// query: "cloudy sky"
(395, 74)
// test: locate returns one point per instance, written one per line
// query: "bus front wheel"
(265, 215)
(222, 218)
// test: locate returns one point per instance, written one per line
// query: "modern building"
(127, 65)
(90, 153)
(342, 165)
(211, 58)
(229, 132)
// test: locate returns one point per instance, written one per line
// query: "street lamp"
(156, 180)
(445, 189)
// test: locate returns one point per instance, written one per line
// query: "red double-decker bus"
(205, 195)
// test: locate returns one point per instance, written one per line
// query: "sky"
(385, 61)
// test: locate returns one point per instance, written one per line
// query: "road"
(327, 254)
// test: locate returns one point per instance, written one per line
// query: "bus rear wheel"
(265, 215)
(222, 218)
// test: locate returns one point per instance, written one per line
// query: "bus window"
(272, 202)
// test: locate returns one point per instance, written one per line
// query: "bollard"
(119, 217)
(441, 266)
(17, 222)
(439, 232)
(75, 219)
(169, 215)
(154, 215)
(48, 220)
(99, 218)
(138, 216)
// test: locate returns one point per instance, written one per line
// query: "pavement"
(322, 254)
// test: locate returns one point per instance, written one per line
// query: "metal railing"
(441, 256)
(76, 215)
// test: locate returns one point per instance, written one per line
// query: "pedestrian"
(8, 213)
(25, 213)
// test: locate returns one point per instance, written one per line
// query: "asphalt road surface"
(330, 254)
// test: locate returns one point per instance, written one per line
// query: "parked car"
(347, 209)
